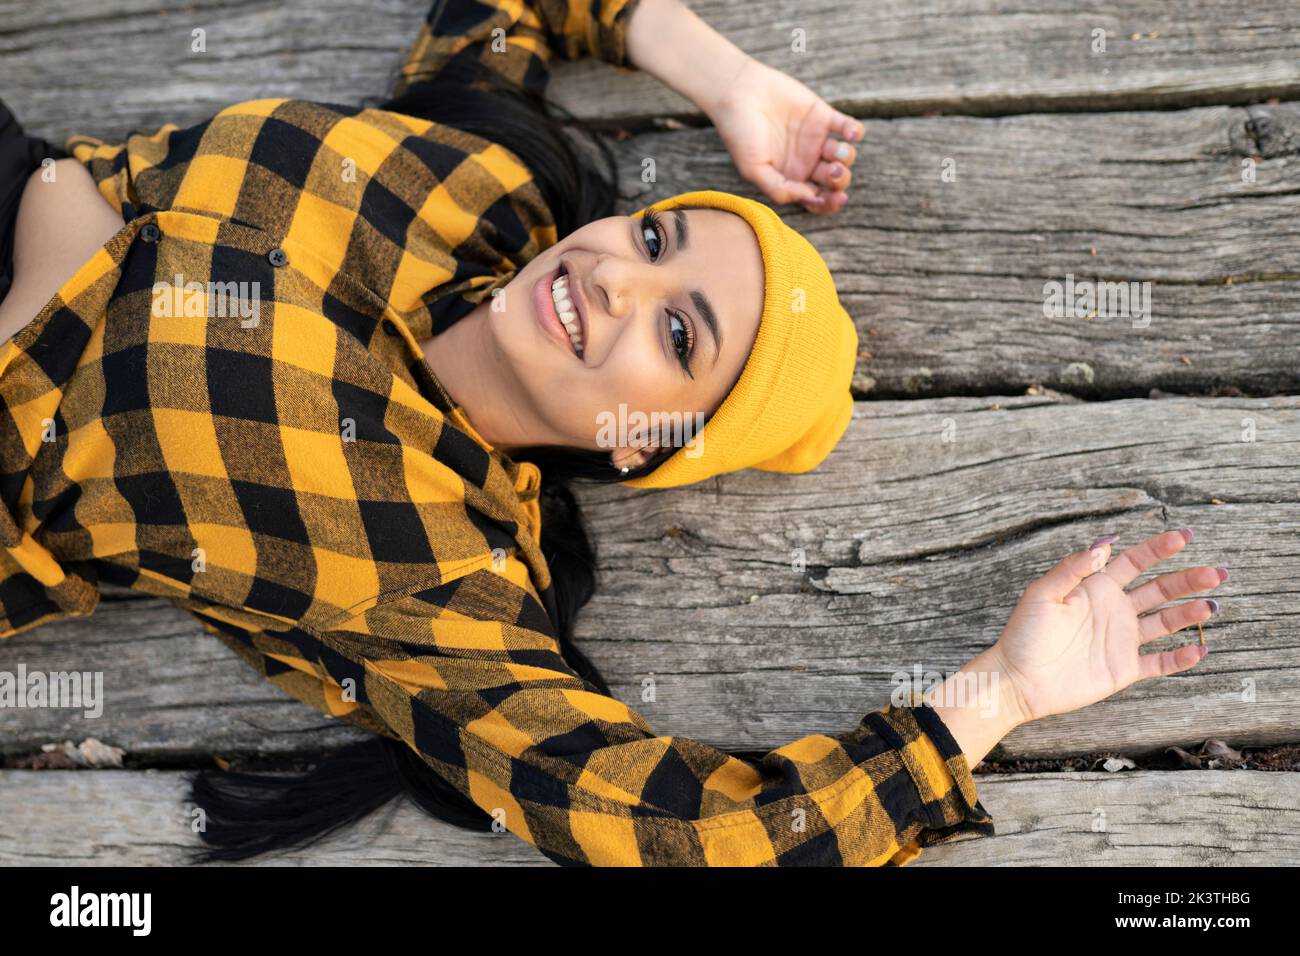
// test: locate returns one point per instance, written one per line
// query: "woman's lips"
(544, 309)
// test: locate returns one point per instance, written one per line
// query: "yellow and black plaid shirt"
(228, 407)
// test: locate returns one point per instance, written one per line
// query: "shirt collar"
(525, 475)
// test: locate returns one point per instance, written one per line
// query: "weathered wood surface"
(916, 551)
(1196, 818)
(898, 57)
(945, 280)
(125, 63)
(171, 690)
(916, 548)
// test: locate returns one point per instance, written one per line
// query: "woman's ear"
(632, 458)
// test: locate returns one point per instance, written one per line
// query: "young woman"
(228, 381)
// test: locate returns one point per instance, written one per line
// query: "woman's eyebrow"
(699, 298)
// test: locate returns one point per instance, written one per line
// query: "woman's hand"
(1076, 635)
(778, 132)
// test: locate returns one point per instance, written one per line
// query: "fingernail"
(1214, 605)
(1187, 534)
(1223, 574)
(1109, 539)
(1205, 650)
(836, 170)
(842, 151)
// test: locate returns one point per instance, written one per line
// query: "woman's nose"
(622, 286)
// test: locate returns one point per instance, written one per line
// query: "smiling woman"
(639, 299)
(364, 494)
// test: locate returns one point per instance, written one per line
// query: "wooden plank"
(127, 63)
(916, 550)
(142, 818)
(170, 689)
(947, 280)
(104, 67)
(1195, 818)
(903, 58)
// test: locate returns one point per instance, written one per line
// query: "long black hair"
(248, 813)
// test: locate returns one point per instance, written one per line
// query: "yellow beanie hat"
(792, 403)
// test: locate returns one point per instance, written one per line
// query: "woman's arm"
(471, 677)
(666, 39)
(778, 131)
(977, 722)
(517, 38)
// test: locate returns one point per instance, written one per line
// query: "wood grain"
(1195, 818)
(915, 551)
(760, 607)
(947, 280)
(124, 63)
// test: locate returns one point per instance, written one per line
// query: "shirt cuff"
(945, 788)
(607, 33)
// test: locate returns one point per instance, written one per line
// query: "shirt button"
(150, 232)
(277, 257)
(390, 327)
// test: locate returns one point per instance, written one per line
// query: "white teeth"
(564, 308)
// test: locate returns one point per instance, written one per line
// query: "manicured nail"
(842, 151)
(1187, 534)
(1223, 574)
(1214, 605)
(1109, 539)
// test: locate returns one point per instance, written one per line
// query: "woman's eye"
(681, 336)
(651, 235)
(678, 332)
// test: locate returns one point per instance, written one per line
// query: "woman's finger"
(835, 151)
(782, 190)
(846, 127)
(829, 201)
(1170, 662)
(1067, 574)
(1175, 584)
(835, 176)
(1167, 620)
(1149, 553)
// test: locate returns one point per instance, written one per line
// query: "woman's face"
(666, 322)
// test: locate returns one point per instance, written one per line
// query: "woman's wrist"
(979, 705)
(666, 39)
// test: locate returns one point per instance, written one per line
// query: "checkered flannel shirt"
(300, 483)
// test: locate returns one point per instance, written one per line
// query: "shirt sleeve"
(518, 38)
(470, 675)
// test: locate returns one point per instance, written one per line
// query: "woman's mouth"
(556, 312)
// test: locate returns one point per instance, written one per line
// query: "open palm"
(1076, 635)
(778, 133)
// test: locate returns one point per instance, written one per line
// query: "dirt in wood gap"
(1212, 755)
